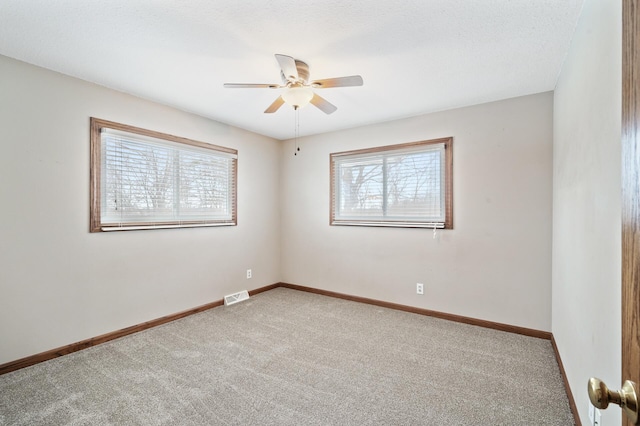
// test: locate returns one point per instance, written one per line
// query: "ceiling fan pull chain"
(296, 130)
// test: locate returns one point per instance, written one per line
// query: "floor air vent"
(236, 297)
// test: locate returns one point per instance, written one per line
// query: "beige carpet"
(286, 357)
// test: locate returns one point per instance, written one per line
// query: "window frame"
(448, 187)
(95, 219)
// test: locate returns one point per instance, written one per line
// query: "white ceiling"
(415, 56)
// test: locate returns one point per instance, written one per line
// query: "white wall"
(495, 265)
(586, 204)
(60, 284)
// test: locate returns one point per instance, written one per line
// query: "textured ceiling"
(415, 56)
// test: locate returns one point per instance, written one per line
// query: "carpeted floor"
(286, 357)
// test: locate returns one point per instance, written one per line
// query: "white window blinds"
(402, 185)
(147, 182)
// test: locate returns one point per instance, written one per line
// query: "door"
(600, 395)
(630, 193)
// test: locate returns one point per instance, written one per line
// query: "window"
(142, 179)
(407, 185)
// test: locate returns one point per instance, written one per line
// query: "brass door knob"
(627, 397)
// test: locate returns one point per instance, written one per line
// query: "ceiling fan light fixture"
(297, 96)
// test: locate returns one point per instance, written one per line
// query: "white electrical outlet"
(420, 288)
(248, 273)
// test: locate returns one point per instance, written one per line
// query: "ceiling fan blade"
(275, 105)
(303, 71)
(352, 80)
(251, 86)
(288, 66)
(323, 104)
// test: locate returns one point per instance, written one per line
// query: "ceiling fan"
(297, 87)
